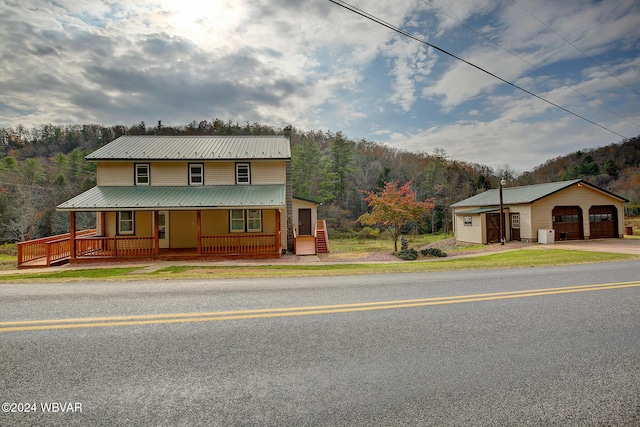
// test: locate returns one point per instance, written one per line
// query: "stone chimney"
(287, 132)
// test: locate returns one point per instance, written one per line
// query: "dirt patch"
(453, 248)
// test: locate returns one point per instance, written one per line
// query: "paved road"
(461, 348)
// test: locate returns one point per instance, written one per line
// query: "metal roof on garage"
(481, 210)
(103, 198)
(151, 147)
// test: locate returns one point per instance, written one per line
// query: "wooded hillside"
(44, 166)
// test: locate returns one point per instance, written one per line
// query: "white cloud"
(318, 66)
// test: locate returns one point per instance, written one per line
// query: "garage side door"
(603, 222)
(567, 222)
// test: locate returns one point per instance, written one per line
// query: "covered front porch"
(134, 223)
(88, 246)
(254, 233)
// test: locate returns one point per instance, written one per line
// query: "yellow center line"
(168, 318)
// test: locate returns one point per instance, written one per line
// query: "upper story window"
(196, 174)
(243, 173)
(142, 174)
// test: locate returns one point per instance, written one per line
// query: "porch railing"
(115, 247)
(241, 244)
(51, 249)
(88, 246)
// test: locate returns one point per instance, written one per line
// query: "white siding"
(219, 173)
(268, 172)
(526, 233)
(115, 173)
(470, 234)
(303, 204)
(169, 173)
(176, 173)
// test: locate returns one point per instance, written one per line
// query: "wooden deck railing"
(88, 246)
(241, 244)
(51, 249)
(115, 247)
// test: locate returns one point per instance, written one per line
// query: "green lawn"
(513, 259)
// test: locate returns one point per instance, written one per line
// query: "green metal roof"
(525, 194)
(103, 198)
(480, 210)
(151, 147)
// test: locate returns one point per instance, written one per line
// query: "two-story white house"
(188, 196)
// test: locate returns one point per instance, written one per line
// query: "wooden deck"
(312, 245)
(305, 245)
(89, 248)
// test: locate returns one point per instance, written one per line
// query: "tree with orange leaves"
(393, 207)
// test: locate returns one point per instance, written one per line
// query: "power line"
(575, 47)
(28, 186)
(530, 64)
(419, 40)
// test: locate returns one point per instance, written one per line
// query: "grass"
(513, 259)
(93, 273)
(356, 245)
(635, 223)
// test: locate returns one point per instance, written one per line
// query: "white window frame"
(515, 220)
(235, 220)
(196, 175)
(131, 221)
(254, 220)
(245, 221)
(467, 220)
(243, 177)
(137, 168)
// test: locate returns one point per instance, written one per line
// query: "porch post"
(156, 233)
(72, 234)
(278, 232)
(103, 224)
(199, 230)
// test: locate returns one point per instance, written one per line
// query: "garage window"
(601, 217)
(568, 219)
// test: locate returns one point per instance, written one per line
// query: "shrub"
(369, 233)
(9, 249)
(407, 254)
(433, 252)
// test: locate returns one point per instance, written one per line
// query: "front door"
(515, 226)
(163, 229)
(304, 222)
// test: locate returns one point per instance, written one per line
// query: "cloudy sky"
(318, 66)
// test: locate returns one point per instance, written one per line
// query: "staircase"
(322, 241)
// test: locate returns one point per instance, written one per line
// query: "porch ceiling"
(101, 198)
